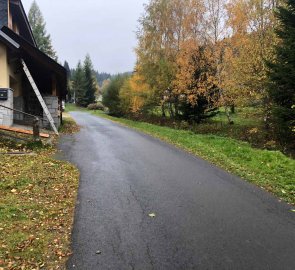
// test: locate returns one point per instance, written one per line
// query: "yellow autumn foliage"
(133, 94)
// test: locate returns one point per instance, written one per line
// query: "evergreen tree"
(70, 95)
(38, 25)
(111, 95)
(67, 67)
(90, 81)
(79, 86)
(282, 74)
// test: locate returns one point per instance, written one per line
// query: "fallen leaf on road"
(293, 210)
(152, 215)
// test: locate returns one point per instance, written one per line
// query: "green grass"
(270, 170)
(248, 126)
(70, 107)
(245, 116)
(36, 207)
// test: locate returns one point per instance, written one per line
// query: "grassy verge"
(72, 107)
(69, 126)
(38, 195)
(248, 126)
(270, 170)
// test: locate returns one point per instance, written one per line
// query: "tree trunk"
(233, 108)
(163, 110)
(171, 110)
(230, 121)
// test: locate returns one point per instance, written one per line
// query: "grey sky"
(103, 28)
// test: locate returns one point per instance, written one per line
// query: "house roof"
(19, 11)
(34, 56)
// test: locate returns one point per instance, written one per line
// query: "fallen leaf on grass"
(41, 208)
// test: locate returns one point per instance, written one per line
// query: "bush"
(95, 106)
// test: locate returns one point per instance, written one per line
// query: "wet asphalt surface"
(205, 217)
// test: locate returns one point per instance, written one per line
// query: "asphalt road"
(205, 217)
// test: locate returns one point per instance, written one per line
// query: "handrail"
(31, 115)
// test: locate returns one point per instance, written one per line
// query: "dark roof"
(20, 13)
(3, 13)
(31, 54)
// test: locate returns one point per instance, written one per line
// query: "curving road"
(205, 217)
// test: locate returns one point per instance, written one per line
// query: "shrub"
(95, 106)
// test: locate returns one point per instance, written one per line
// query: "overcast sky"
(103, 28)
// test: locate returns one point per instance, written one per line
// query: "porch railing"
(35, 123)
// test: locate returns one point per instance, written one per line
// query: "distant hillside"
(102, 76)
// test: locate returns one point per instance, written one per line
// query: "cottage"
(25, 72)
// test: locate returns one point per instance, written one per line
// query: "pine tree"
(67, 67)
(90, 81)
(79, 86)
(38, 25)
(70, 95)
(282, 74)
(111, 95)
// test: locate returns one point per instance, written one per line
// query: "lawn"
(248, 126)
(270, 170)
(38, 196)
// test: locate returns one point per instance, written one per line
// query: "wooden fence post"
(36, 129)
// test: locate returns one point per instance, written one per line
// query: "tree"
(91, 84)
(157, 49)
(165, 26)
(67, 67)
(195, 84)
(134, 94)
(38, 25)
(282, 73)
(79, 86)
(111, 95)
(252, 23)
(69, 84)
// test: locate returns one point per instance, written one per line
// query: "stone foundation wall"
(6, 115)
(53, 107)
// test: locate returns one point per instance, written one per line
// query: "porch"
(49, 77)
